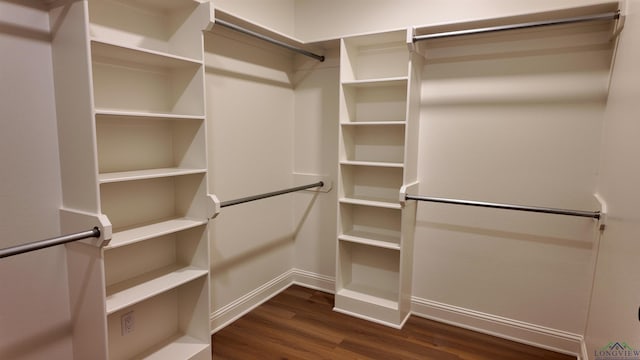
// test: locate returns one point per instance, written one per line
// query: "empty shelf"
(372, 163)
(133, 291)
(392, 81)
(143, 114)
(146, 174)
(178, 347)
(110, 50)
(370, 296)
(371, 202)
(133, 235)
(375, 123)
(373, 239)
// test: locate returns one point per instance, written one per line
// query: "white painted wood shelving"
(378, 142)
(129, 79)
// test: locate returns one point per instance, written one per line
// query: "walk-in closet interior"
(470, 162)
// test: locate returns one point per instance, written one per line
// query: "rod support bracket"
(74, 220)
(213, 206)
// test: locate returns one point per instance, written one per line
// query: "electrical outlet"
(128, 323)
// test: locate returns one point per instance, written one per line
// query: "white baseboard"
(236, 309)
(522, 332)
(314, 281)
(527, 333)
(584, 352)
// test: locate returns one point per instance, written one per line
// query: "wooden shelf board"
(392, 81)
(111, 50)
(146, 174)
(372, 239)
(143, 287)
(374, 123)
(369, 295)
(178, 347)
(367, 202)
(147, 115)
(141, 233)
(372, 163)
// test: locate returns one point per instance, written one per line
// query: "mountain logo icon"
(617, 351)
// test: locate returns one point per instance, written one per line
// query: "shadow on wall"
(265, 247)
(229, 54)
(305, 214)
(520, 236)
(36, 342)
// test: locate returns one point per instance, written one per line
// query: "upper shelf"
(166, 26)
(558, 30)
(375, 56)
(231, 22)
(377, 82)
(146, 174)
(134, 81)
(140, 55)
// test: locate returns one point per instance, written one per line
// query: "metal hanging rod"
(37, 245)
(268, 39)
(572, 20)
(581, 213)
(269, 194)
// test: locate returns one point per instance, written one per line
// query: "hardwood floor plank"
(300, 323)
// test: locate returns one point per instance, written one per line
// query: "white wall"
(524, 140)
(519, 124)
(614, 309)
(315, 151)
(276, 15)
(250, 105)
(326, 19)
(34, 305)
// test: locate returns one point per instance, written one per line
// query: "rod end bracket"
(213, 206)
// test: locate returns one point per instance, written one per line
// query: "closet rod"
(581, 213)
(269, 194)
(268, 39)
(572, 20)
(37, 245)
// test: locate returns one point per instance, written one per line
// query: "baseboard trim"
(314, 281)
(584, 352)
(236, 309)
(522, 332)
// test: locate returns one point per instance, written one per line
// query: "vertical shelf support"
(375, 228)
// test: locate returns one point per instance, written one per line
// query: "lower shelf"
(132, 291)
(178, 347)
(370, 295)
(171, 325)
(370, 307)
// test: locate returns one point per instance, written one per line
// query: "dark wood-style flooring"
(299, 323)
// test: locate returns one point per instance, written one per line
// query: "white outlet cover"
(128, 323)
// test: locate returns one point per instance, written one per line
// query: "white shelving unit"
(378, 134)
(131, 109)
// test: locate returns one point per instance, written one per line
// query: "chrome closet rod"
(546, 210)
(268, 39)
(269, 194)
(37, 245)
(572, 20)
